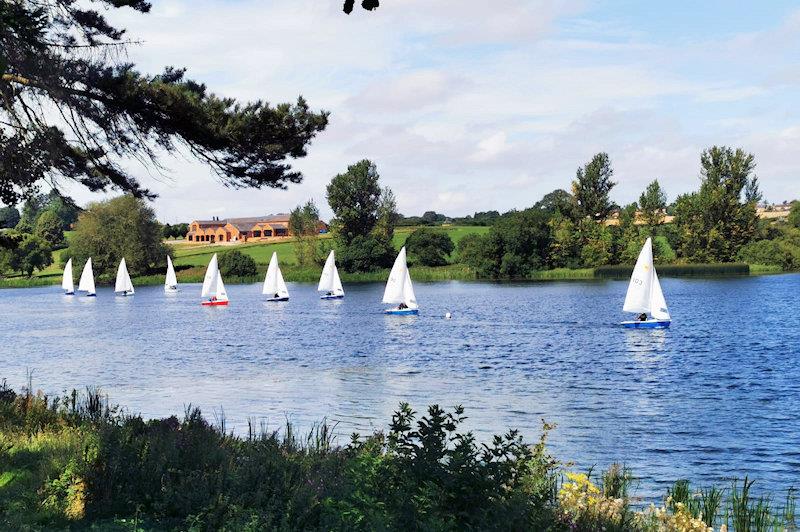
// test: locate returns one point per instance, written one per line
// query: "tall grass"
(622, 271)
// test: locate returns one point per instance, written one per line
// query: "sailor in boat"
(642, 317)
(402, 306)
(277, 295)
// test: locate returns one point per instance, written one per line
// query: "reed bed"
(621, 271)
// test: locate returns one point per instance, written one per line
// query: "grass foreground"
(75, 462)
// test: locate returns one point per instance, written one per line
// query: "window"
(256, 234)
(267, 232)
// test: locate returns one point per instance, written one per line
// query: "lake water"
(716, 396)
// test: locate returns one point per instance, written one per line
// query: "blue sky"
(467, 107)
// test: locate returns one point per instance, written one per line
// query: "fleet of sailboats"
(123, 285)
(86, 282)
(67, 284)
(329, 281)
(170, 281)
(274, 286)
(644, 294)
(213, 287)
(399, 290)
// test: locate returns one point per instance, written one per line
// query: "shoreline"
(452, 272)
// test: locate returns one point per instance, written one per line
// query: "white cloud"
(481, 105)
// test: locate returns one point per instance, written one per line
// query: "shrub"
(366, 253)
(622, 271)
(234, 263)
(429, 247)
(771, 252)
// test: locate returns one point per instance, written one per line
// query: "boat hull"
(124, 294)
(332, 296)
(69, 293)
(170, 290)
(647, 324)
(276, 299)
(402, 312)
(214, 303)
(91, 295)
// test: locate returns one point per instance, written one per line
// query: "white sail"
(644, 291)
(210, 279)
(399, 288)
(329, 280)
(86, 282)
(273, 281)
(221, 293)
(658, 305)
(123, 283)
(66, 282)
(170, 282)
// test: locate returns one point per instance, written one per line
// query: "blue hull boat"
(402, 312)
(647, 324)
(332, 296)
(278, 299)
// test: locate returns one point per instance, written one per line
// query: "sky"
(469, 105)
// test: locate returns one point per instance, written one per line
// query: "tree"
(794, 215)
(64, 208)
(30, 253)
(74, 112)
(9, 217)
(48, 228)
(234, 263)
(354, 197)
(304, 225)
(364, 219)
(720, 218)
(516, 246)
(429, 247)
(653, 203)
(591, 188)
(120, 227)
(31, 209)
(557, 201)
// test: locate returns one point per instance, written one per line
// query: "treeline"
(715, 224)
(76, 462)
(30, 237)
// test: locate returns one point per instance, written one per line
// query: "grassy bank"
(74, 462)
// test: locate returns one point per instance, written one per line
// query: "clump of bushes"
(429, 247)
(234, 263)
(771, 252)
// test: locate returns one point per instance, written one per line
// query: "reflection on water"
(705, 399)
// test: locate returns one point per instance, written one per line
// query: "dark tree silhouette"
(369, 5)
(69, 109)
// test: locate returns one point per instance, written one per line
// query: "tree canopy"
(365, 216)
(9, 217)
(653, 204)
(720, 218)
(592, 186)
(70, 110)
(120, 227)
(304, 225)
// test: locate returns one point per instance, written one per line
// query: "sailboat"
(329, 281)
(66, 282)
(86, 282)
(644, 294)
(213, 287)
(399, 290)
(170, 282)
(123, 284)
(273, 282)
